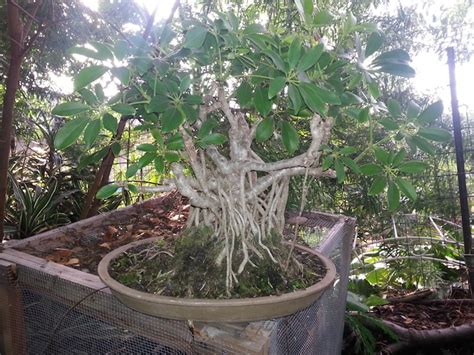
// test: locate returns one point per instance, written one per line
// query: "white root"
(237, 194)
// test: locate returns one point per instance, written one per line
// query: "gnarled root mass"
(239, 195)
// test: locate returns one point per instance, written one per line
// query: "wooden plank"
(12, 330)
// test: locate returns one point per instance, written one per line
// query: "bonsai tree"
(215, 95)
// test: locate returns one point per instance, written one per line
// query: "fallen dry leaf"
(73, 261)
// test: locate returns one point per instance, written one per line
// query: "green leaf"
(171, 119)
(121, 49)
(99, 92)
(102, 50)
(93, 158)
(207, 127)
(244, 94)
(323, 18)
(310, 58)
(413, 167)
(195, 37)
(378, 185)
(435, 134)
(290, 137)
(340, 172)
(423, 144)
(110, 122)
(159, 103)
(175, 142)
(371, 169)
(264, 130)
(171, 157)
(213, 139)
(88, 75)
(122, 74)
(193, 99)
(406, 188)
(377, 276)
(106, 191)
(389, 124)
(276, 59)
(159, 165)
(403, 70)
(294, 53)
(88, 97)
(276, 85)
(374, 300)
(86, 52)
(261, 101)
(92, 132)
(398, 158)
(295, 98)
(351, 164)
(132, 188)
(70, 109)
(116, 148)
(305, 7)
(123, 109)
(70, 132)
(146, 159)
(131, 170)
(394, 108)
(393, 196)
(327, 96)
(374, 43)
(432, 112)
(254, 28)
(381, 155)
(311, 97)
(413, 109)
(146, 147)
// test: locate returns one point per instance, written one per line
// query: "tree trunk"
(91, 205)
(13, 77)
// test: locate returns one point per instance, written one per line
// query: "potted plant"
(215, 96)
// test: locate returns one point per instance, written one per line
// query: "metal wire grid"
(63, 317)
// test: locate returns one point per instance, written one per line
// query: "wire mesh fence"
(61, 314)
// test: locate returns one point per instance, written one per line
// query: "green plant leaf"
(92, 132)
(132, 188)
(89, 97)
(394, 108)
(406, 188)
(371, 169)
(310, 58)
(327, 96)
(171, 157)
(381, 155)
(276, 85)
(122, 74)
(432, 112)
(276, 59)
(88, 75)
(244, 94)
(294, 53)
(264, 130)
(123, 109)
(413, 109)
(86, 52)
(423, 144)
(175, 142)
(70, 109)
(377, 276)
(110, 123)
(374, 43)
(374, 300)
(378, 185)
(340, 172)
(159, 103)
(213, 139)
(295, 98)
(70, 132)
(311, 97)
(413, 167)
(254, 28)
(131, 170)
(107, 191)
(159, 165)
(193, 99)
(323, 18)
(195, 37)
(102, 50)
(146, 159)
(261, 101)
(115, 148)
(398, 158)
(351, 164)
(389, 124)
(393, 196)
(290, 137)
(171, 119)
(121, 49)
(435, 134)
(146, 147)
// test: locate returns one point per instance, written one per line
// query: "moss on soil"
(186, 267)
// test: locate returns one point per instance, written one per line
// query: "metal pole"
(463, 196)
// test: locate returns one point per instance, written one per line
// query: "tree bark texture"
(15, 29)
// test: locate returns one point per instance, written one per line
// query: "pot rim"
(103, 271)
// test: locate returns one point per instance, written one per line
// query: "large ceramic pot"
(210, 310)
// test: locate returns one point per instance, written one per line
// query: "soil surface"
(198, 276)
(84, 251)
(426, 316)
